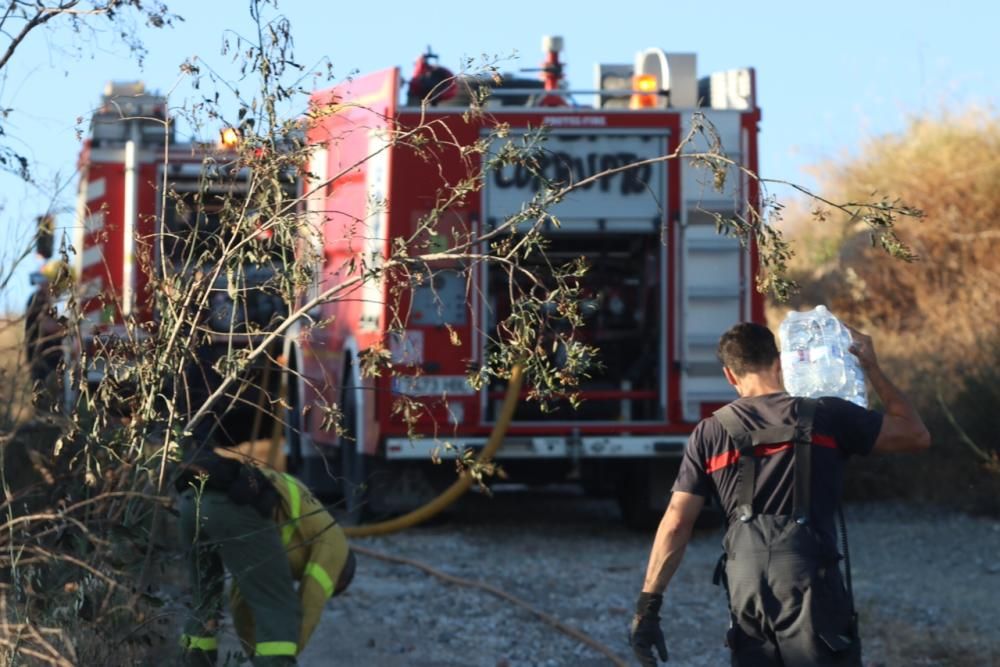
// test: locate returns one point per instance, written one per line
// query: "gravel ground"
(927, 584)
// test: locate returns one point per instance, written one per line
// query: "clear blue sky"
(829, 74)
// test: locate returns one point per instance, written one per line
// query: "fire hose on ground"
(448, 497)
(493, 590)
(464, 481)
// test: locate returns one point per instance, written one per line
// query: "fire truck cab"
(150, 205)
(662, 285)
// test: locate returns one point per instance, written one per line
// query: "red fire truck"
(149, 203)
(663, 284)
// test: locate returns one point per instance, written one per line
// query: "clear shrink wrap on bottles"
(816, 358)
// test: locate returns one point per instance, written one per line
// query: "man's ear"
(730, 376)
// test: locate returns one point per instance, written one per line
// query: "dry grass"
(936, 322)
(52, 612)
(15, 395)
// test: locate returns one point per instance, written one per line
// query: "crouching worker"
(268, 532)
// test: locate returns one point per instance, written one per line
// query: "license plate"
(432, 385)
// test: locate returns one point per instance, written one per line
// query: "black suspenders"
(802, 491)
(799, 434)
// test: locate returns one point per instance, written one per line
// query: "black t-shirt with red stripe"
(840, 429)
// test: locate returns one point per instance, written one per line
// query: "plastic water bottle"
(796, 337)
(816, 359)
(855, 380)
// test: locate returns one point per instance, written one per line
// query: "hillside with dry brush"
(936, 321)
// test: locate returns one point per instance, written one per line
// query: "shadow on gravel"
(900, 643)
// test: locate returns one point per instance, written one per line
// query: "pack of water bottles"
(816, 358)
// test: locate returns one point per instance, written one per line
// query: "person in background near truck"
(44, 331)
(776, 465)
(268, 531)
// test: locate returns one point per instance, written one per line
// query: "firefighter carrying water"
(776, 464)
(268, 531)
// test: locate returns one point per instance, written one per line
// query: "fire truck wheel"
(643, 494)
(636, 512)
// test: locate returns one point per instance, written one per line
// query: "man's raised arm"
(902, 428)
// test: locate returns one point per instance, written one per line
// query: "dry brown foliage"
(936, 321)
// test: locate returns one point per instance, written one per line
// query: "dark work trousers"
(222, 535)
(788, 601)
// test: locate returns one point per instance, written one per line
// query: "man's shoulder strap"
(802, 441)
(733, 425)
(806, 413)
(743, 436)
(746, 478)
(800, 434)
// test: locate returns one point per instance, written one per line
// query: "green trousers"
(222, 536)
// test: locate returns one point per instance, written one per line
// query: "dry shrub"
(15, 386)
(75, 549)
(936, 321)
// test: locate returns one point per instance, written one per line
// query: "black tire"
(636, 512)
(636, 494)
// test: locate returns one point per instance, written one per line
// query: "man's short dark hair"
(747, 348)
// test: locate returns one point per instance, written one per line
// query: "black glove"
(645, 632)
